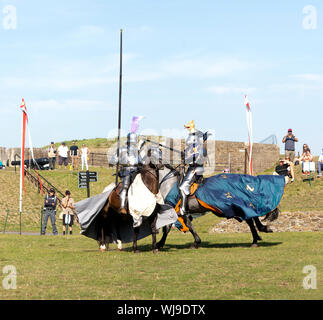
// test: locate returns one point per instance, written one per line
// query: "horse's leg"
(189, 224)
(162, 241)
(272, 216)
(261, 227)
(107, 241)
(119, 242)
(135, 236)
(102, 245)
(154, 234)
(253, 230)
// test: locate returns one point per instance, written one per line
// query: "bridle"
(171, 174)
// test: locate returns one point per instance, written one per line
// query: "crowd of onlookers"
(286, 166)
(63, 152)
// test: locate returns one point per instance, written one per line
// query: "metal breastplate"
(128, 157)
(194, 151)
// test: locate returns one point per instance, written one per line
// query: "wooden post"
(88, 183)
(246, 161)
(41, 218)
(5, 223)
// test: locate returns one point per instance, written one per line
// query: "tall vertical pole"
(88, 183)
(229, 162)
(119, 117)
(22, 164)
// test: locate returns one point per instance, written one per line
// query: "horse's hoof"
(136, 251)
(103, 248)
(155, 251)
(254, 245)
(194, 246)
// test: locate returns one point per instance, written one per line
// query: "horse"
(170, 176)
(110, 217)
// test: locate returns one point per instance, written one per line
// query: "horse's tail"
(273, 215)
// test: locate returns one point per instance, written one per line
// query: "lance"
(169, 148)
(119, 116)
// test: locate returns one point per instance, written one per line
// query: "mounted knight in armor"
(195, 156)
(129, 159)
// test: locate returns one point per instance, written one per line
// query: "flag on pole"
(249, 124)
(23, 108)
(25, 126)
(135, 123)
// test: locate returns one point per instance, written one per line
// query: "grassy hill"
(92, 144)
(299, 196)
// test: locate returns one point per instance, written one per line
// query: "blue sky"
(183, 60)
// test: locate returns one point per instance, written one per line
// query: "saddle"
(194, 187)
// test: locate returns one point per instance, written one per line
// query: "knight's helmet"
(194, 135)
(132, 139)
(190, 126)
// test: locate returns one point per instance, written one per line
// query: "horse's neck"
(149, 177)
(166, 185)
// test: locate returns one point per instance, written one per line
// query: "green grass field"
(224, 267)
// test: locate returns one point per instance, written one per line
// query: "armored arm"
(114, 159)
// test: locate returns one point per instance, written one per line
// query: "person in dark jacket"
(49, 211)
(289, 141)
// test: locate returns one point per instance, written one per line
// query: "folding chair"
(309, 167)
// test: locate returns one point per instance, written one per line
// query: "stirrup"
(181, 212)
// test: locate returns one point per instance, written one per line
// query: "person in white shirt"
(62, 155)
(84, 156)
(320, 165)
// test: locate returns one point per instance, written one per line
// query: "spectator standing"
(62, 155)
(84, 156)
(49, 211)
(74, 153)
(289, 141)
(320, 165)
(305, 148)
(68, 213)
(52, 156)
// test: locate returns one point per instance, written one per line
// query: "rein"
(146, 170)
(170, 174)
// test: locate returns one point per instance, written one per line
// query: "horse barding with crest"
(159, 196)
(239, 196)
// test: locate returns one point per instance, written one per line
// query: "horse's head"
(154, 158)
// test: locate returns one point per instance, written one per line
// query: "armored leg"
(123, 193)
(185, 189)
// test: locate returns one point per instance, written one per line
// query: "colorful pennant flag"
(135, 123)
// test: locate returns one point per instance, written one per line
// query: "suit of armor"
(129, 160)
(195, 154)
